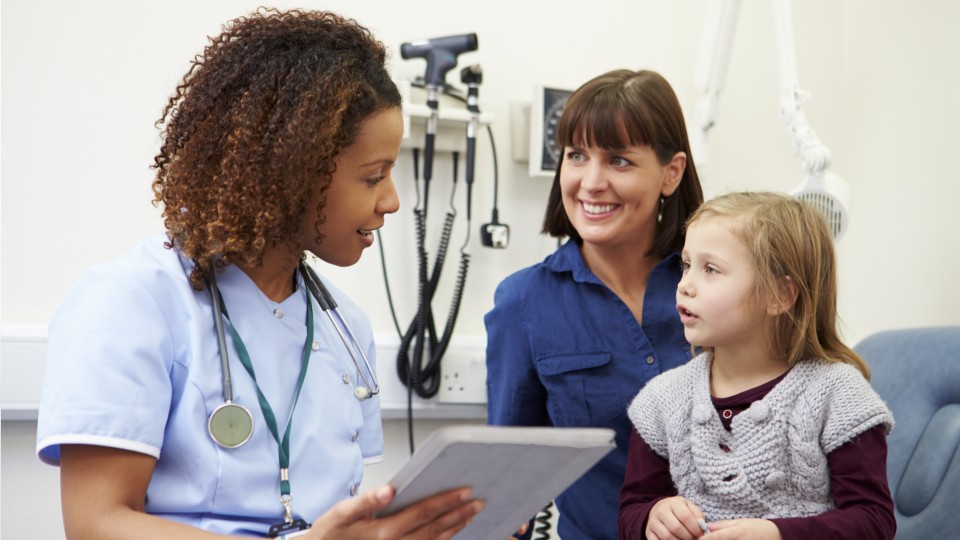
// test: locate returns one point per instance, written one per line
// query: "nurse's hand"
(438, 517)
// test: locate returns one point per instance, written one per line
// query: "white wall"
(83, 82)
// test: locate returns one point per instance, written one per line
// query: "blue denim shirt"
(564, 350)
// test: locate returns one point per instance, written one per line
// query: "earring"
(660, 212)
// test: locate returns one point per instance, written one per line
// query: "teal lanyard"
(283, 445)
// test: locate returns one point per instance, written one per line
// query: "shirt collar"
(567, 258)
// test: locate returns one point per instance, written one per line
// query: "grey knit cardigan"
(773, 463)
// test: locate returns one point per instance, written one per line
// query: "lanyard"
(283, 445)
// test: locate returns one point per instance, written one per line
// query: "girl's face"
(612, 196)
(716, 295)
(360, 195)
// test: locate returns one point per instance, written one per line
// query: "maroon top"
(858, 482)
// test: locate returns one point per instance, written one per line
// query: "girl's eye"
(573, 155)
(684, 266)
(710, 270)
(376, 180)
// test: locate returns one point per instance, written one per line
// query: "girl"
(773, 431)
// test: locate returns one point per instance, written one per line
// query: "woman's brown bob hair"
(642, 105)
(256, 125)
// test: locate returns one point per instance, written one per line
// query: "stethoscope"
(231, 425)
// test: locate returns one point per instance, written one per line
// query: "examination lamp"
(822, 189)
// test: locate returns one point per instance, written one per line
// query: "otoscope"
(472, 76)
(441, 56)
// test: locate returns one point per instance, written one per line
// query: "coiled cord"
(420, 375)
(542, 523)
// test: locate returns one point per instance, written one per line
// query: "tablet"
(515, 470)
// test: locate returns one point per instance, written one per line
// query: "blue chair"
(917, 373)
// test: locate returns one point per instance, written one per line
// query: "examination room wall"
(83, 83)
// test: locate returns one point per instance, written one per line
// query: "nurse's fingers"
(438, 517)
(365, 505)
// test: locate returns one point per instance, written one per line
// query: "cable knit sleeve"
(651, 411)
(851, 407)
(647, 418)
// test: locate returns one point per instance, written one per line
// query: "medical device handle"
(472, 76)
(429, 142)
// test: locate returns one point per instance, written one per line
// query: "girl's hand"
(744, 529)
(674, 518)
(438, 517)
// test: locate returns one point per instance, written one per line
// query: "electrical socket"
(463, 377)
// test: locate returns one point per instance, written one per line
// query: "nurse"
(572, 339)
(278, 142)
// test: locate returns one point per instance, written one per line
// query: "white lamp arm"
(711, 70)
(813, 153)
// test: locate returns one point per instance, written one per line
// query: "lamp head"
(829, 194)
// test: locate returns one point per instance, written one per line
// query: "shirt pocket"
(581, 388)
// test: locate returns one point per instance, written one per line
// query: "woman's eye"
(573, 155)
(376, 180)
(619, 162)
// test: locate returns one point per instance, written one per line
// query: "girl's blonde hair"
(788, 238)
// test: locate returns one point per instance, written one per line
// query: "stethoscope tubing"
(328, 304)
(370, 388)
(227, 384)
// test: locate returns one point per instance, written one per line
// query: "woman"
(279, 141)
(570, 340)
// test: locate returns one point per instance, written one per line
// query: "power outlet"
(463, 377)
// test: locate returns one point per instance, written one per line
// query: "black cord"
(542, 521)
(386, 283)
(425, 380)
(496, 174)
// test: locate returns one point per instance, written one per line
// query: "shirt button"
(355, 436)
(278, 313)
(345, 378)
(316, 345)
(727, 413)
(649, 359)
(353, 490)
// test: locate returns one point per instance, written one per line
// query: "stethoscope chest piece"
(230, 425)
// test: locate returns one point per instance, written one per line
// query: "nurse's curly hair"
(256, 123)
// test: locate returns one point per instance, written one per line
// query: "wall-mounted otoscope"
(440, 53)
(441, 56)
(420, 370)
(472, 76)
